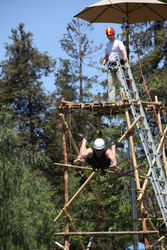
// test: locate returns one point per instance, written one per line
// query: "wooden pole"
(149, 171)
(90, 243)
(62, 247)
(74, 229)
(136, 175)
(86, 173)
(79, 190)
(144, 232)
(120, 175)
(157, 242)
(130, 220)
(72, 166)
(151, 224)
(163, 144)
(65, 185)
(107, 171)
(129, 128)
(98, 215)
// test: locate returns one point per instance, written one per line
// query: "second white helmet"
(99, 144)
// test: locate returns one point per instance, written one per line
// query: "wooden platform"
(110, 108)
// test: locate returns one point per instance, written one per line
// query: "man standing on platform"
(112, 49)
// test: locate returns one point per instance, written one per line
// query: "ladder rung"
(128, 79)
(156, 168)
(149, 143)
(125, 67)
(146, 129)
(152, 155)
(161, 181)
(136, 104)
(132, 91)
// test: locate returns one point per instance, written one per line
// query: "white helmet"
(99, 144)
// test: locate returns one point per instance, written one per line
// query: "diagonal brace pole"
(86, 173)
(79, 190)
(149, 171)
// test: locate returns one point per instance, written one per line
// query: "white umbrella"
(133, 11)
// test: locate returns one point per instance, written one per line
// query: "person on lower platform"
(99, 156)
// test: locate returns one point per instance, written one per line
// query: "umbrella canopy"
(133, 11)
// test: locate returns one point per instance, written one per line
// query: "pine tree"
(65, 82)
(21, 85)
(78, 46)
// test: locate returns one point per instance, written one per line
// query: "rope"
(125, 24)
(158, 121)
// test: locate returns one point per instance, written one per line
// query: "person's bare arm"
(125, 55)
(112, 157)
(88, 152)
(105, 60)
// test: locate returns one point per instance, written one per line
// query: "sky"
(47, 20)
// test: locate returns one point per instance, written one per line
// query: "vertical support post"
(65, 185)
(98, 189)
(98, 216)
(137, 177)
(163, 144)
(132, 186)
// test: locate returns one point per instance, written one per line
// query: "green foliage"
(65, 82)
(151, 41)
(30, 180)
(26, 209)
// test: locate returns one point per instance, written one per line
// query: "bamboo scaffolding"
(65, 185)
(86, 168)
(144, 232)
(155, 243)
(86, 173)
(91, 239)
(72, 166)
(136, 174)
(149, 171)
(151, 224)
(90, 243)
(82, 245)
(133, 150)
(79, 190)
(62, 247)
(111, 109)
(130, 220)
(98, 188)
(121, 175)
(129, 128)
(98, 214)
(107, 171)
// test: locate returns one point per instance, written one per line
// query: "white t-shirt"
(114, 49)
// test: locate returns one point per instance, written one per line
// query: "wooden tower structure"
(110, 108)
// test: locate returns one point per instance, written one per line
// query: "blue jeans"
(114, 78)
